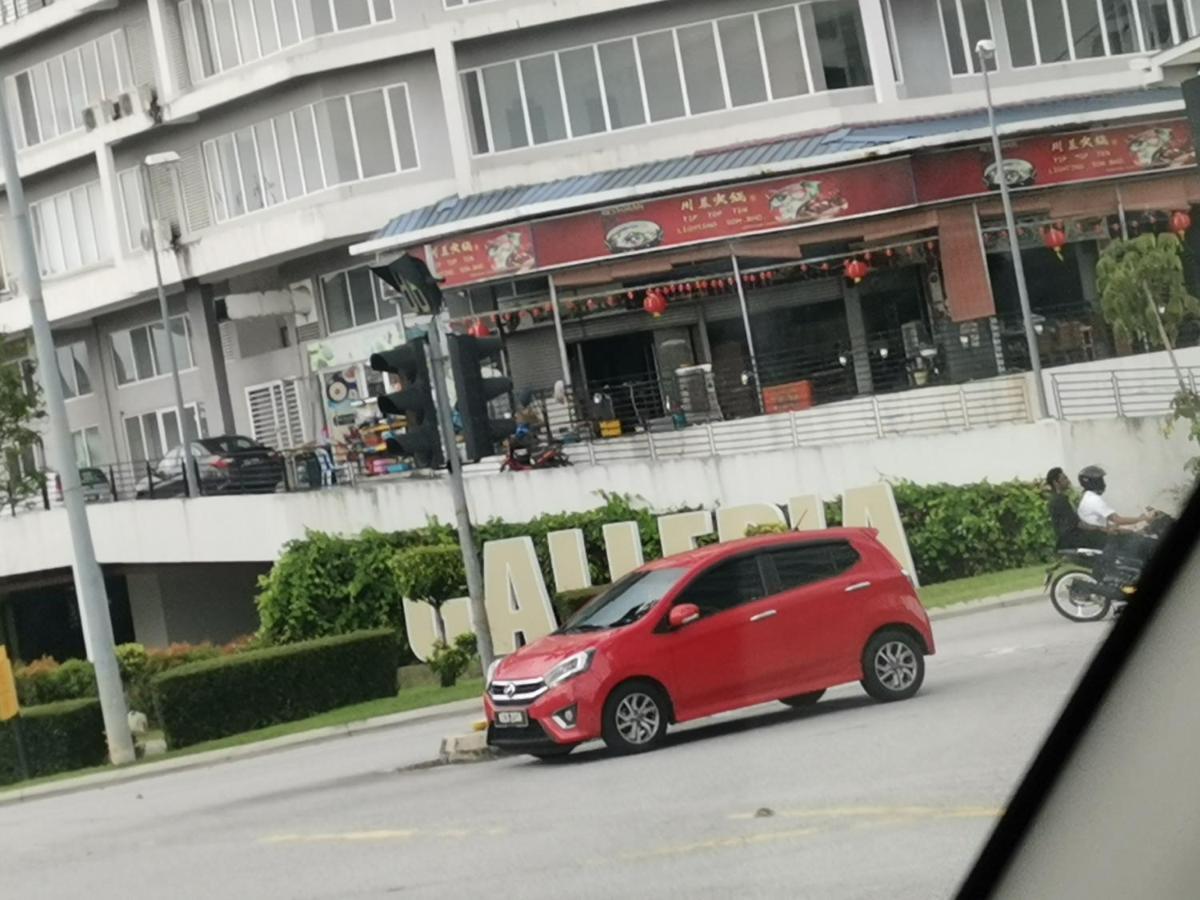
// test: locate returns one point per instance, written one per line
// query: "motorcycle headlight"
(491, 672)
(569, 668)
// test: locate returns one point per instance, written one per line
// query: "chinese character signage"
(1056, 159)
(478, 257)
(804, 199)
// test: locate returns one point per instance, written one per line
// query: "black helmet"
(1092, 479)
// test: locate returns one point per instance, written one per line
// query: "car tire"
(635, 717)
(802, 701)
(893, 666)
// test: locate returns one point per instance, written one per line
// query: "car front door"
(815, 592)
(717, 661)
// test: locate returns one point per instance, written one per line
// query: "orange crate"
(791, 397)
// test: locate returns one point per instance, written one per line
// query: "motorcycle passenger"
(1070, 531)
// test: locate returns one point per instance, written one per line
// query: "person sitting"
(1070, 532)
(1095, 512)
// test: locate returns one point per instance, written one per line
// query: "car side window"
(726, 585)
(797, 566)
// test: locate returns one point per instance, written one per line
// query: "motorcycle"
(1086, 584)
(518, 458)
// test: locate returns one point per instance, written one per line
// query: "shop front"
(779, 294)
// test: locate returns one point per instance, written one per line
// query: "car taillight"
(221, 463)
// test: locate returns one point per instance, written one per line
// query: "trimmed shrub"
(219, 697)
(58, 737)
(48, 681)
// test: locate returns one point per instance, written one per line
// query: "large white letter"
(568, 560)
(806, 513)
(732, 521)
(874, 506)
(678, 531)
(623, 547)
(420, 624)
(515, 594)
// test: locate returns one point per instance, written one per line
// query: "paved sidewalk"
(152, 768)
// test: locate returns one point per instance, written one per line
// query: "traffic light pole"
(466, 540)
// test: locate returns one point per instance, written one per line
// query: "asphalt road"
(850, 799)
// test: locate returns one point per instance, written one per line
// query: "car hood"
(536, 659)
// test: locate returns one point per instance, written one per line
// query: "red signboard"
(1047, 160)
(488, 254)
(804, 199)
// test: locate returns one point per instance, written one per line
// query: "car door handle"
(861, 586)
(764, 615)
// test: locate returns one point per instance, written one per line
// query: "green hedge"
(219, 697)
(58, 737)
(47, 681)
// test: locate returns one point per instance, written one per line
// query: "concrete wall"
(172, 604)
(1145, 468)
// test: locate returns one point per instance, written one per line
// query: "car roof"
(714, 552)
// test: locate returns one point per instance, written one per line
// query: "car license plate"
(511, 718)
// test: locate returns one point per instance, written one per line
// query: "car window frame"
(680, 594)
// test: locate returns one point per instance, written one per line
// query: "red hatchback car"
(728, 626)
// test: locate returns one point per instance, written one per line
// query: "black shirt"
(1064, 520)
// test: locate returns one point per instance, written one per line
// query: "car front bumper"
(545, 727)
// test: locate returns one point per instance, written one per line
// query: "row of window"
(1055, 31)
(153, 435)
(219, 35)
(685, 71)
(51, 95)
(69, 228)
(143, 352)
(332, 142)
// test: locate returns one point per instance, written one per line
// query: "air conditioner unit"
(126, 104)
(148, 101)
(91, 117)
(110, 111)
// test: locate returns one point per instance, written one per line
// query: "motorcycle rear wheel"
(1091, 607)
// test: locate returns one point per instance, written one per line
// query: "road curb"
(971, 607)
(465, 748)
(141, 771)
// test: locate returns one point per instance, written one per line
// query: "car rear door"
(717, 660)
(816, 592)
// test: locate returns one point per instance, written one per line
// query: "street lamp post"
(986, 50)
(90, 592)
(166, 159)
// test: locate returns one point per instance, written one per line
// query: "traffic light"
(480, 431)
(421, 440)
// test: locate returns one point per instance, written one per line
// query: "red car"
(782, 617)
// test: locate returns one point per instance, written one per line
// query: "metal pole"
(741, 291)
(558, 333)
(189, 468)
(89, 581)
(985, 51)
(466, 540)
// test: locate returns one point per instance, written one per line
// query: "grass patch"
(407, 700)
(980, 587)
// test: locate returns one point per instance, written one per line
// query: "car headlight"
(569, 668)
(491, 672)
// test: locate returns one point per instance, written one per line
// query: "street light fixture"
(154, 160)
(986, 50)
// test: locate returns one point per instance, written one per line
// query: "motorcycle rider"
(1070, 531)
(1095, 511)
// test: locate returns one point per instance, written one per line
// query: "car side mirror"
(683, 614)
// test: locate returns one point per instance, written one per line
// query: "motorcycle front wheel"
(1074, 596)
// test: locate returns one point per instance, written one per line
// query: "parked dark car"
(230, 464)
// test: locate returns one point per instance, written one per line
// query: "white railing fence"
(1127, 393)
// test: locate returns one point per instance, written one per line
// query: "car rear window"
(90, 477)
(228, 444)
(810, 563)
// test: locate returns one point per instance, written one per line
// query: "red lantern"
(1055, 239)
(655, 304)
(857, 270)
(825, 267)
(478, 329)
(1180, 222)
(769, 276)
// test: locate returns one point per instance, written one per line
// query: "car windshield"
(626, 601)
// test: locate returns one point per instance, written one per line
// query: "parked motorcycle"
(1085, 585)
(518, 458)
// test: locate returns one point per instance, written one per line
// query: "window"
(68, 230)
(88, 449)
(219, 35)
(275, 418)
(1051, 31)
(726, 585)
(661, 75)
(351, 299)
(135, 229)
(142, 353)
(797, 566)
(965, 23)
(153, 435)
(53, 94)
(625, 602)
(336, 141)
(73, 370)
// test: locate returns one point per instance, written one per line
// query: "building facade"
(560, 163)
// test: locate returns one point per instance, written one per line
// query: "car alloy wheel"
(638, 718)
(893, 666)
(635, 717)
(896, 665)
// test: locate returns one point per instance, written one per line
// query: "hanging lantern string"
(709, 285)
